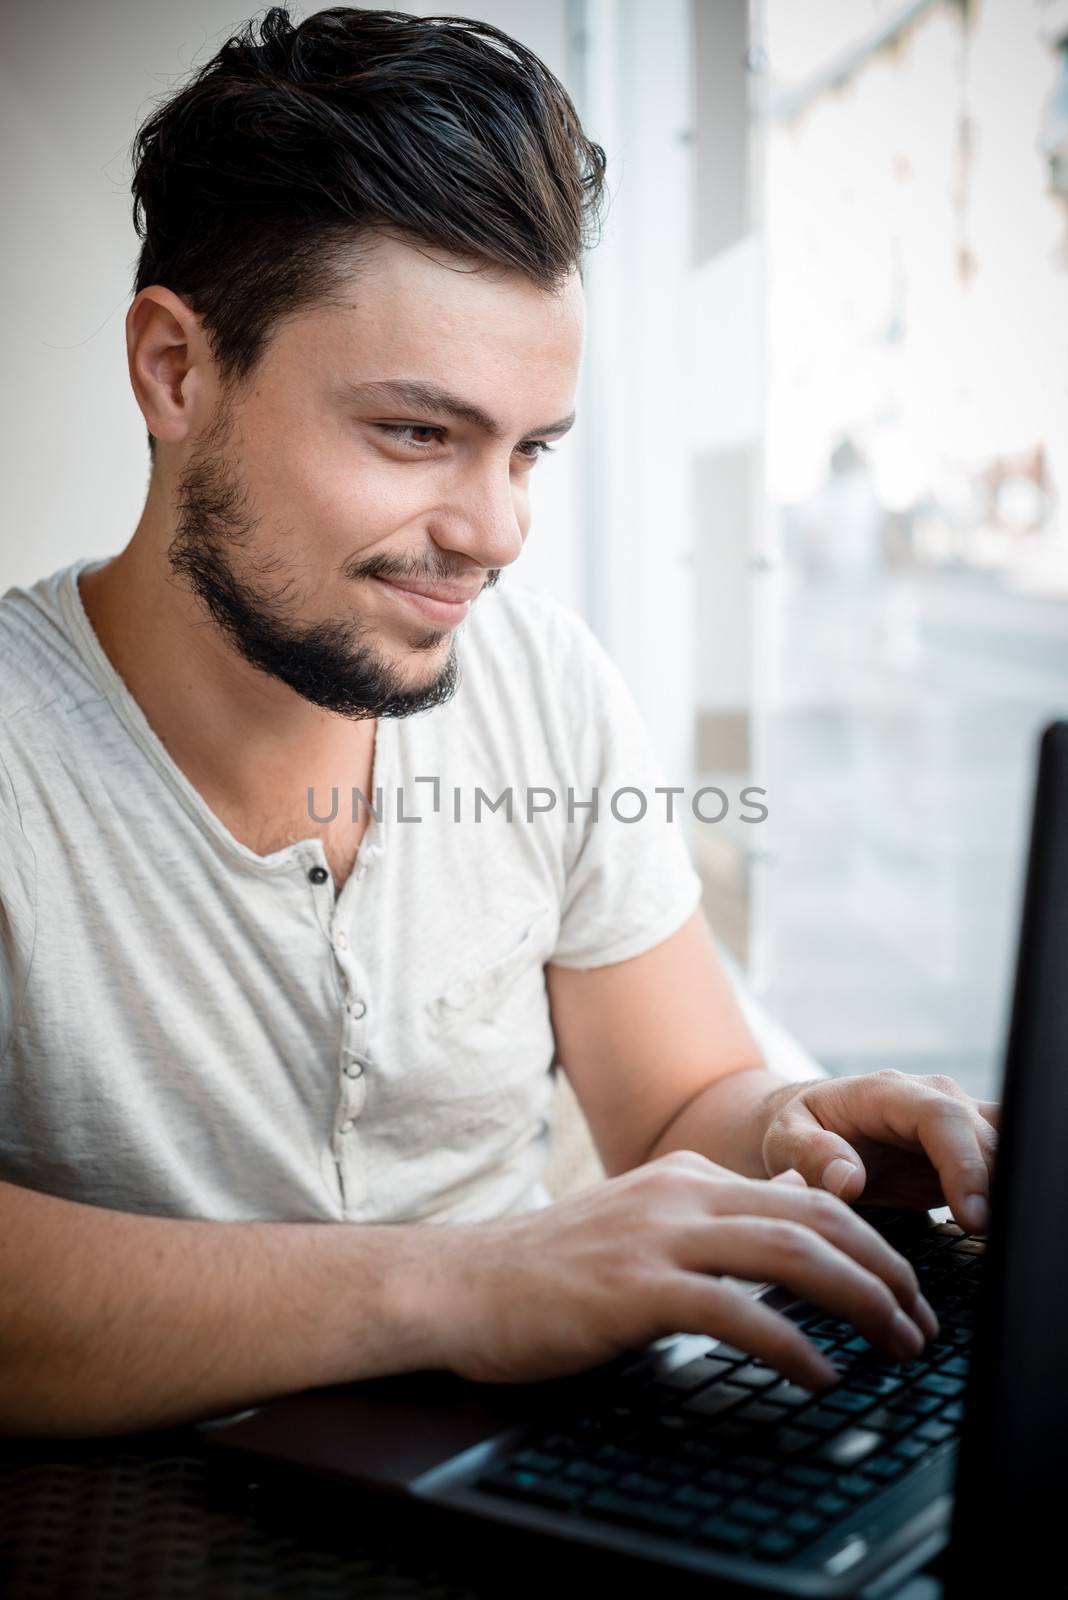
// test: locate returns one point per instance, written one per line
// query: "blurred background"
(815, 504)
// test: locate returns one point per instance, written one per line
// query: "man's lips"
(447, 603)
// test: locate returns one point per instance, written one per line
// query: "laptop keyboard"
(725, 1453)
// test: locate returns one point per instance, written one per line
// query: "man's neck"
(247, 742)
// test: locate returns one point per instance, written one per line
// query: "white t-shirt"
(190, 1029)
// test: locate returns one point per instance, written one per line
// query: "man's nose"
(486, 520)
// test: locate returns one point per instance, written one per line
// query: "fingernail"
(922, 1312)
(792, 1174)
(907, 1336)
(976, 1213)
(837, 1174)
(824, 1371)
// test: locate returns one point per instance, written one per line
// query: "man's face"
(339, 515)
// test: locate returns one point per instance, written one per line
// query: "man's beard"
(332, 664)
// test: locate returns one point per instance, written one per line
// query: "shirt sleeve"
(17, 909)
(630, 879)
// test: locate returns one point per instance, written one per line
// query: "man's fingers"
(991, 1111)
(824, 1159)
(708, 1305)
(935, 1113)
(788, 1253)
(845, 1231)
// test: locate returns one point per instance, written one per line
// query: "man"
(234, 1006)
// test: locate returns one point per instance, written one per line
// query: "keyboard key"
(790, 1495)
(803, 1524)
(911, 1449)
(698, 1499)
(887, 1467)
(586, 1472)
(643, 1486)
(671, 1470)
(849, 1447)
(757, 1413)
(792, 1441)
(727, 1352)
(831, 1505)
(876, 1382)
(754, 1511)
(714, 1400)
(820, 1419)
(537, 1461)
(755, 1377)
(811, 1476)
(613, 1455)
(834, 1328)
(936, 1383)
(736, 1434)
(848, 1400)
(725, 1533)
(788, 1394)
(888, 1420)
(661, 1517)
(722, 1479)
(919, 1405)
(775, 1545)
(857, 1486)
(692, 1376)
(523, 1485)
(936, 1431)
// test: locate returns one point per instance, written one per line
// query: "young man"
(234, 1006)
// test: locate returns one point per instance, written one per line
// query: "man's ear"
(168, 360)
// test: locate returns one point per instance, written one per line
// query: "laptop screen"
(1012, 1476)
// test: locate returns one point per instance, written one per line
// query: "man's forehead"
(396, 279)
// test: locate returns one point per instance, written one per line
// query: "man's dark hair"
(256, 183)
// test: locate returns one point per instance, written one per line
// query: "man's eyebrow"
(420, 396)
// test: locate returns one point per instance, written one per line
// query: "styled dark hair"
(257, 181)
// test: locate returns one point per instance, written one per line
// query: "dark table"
(150, 1517)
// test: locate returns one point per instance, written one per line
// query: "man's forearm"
(111, 1322)
(727, 1121)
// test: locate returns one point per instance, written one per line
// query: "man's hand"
(652, 1252)
(890, 1138)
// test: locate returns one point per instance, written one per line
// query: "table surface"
(151, 1517)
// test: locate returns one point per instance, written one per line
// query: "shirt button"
(318, 875)
(348, 1125)
(354, 1069)
(341, 940)
(358, 1009)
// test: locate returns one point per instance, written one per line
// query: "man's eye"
(405, 430)
(528, 449)
(536, 448)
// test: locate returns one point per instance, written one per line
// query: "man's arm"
(111, 1322)
(660, 1056)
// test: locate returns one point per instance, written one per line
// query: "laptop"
(689, 1460)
